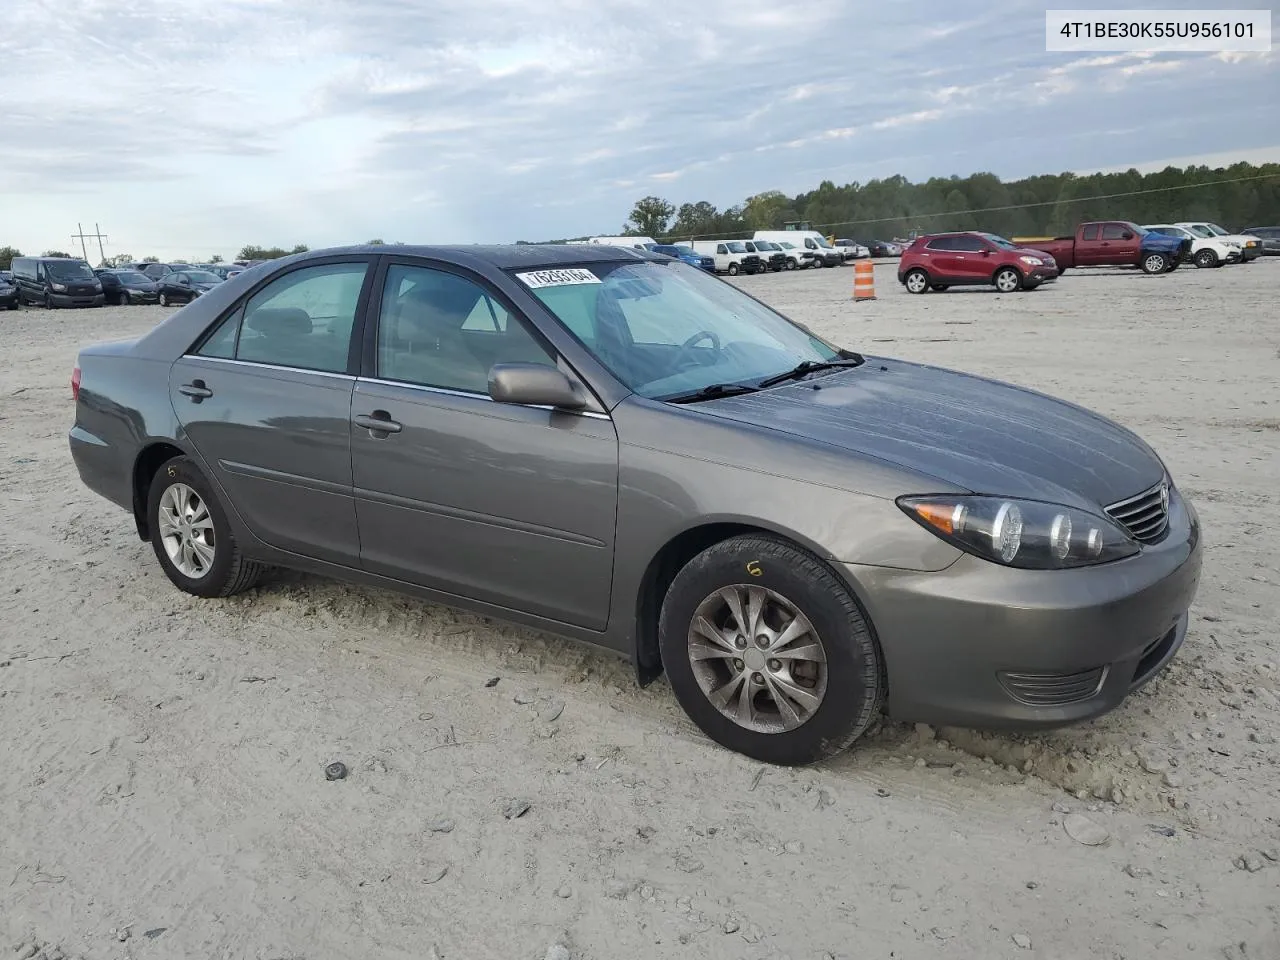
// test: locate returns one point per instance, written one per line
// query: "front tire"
(916, 281)
(768, 652)
(164, 299)
(1007, 280)
(1154, 263)
(123, 299)
(733, 269)
(191, 536)
(1206, 258)
(791, 263)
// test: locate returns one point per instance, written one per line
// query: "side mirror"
(986, 252)
(534, 385)
(1127, 235)
(185, 281)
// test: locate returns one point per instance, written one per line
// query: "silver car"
(615, 446)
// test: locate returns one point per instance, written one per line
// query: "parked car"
(731, 256)
(8, 293)
(882, 248)
(773, 256)
(943, 260)
(124, 286)
(686, 254)
(1270, 237)
(587, 442)
(1116, 243)
(852, 249)
(56, 282)
(797, 257)
(1250, 246)
(157, 271)
(1204, 251)
(824, 254)
(183, 286)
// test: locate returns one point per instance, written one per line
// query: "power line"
(1023, 206)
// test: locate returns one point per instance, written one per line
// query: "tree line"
(1237, 196)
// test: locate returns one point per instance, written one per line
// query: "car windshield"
(668, 329)
(822, 242)
(786, 245)
(131, 277)
(736, 246)
(202, 276)
(766, 245)
(70, 270)
(1000, 241)
(1214, 228)
(1199, 231)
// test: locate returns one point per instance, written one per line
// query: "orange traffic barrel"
(864, 280)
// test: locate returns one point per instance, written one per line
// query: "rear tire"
(123, 299)
(821, 687)
(191, 536)
(916, 281)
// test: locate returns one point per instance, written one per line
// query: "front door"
(1120, 243)
(266, 401)
(505, 504)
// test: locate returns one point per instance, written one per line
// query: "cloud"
(222, 122)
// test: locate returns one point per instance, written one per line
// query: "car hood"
(978, 434)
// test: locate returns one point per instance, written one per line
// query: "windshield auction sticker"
(557, 278)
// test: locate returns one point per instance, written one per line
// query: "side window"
(968, 244)
(222, 342)
(438, 329)
(1113, 231)
(304, 318)
(942, 243)
(721, 248)
(809, 244)
(1090, 232)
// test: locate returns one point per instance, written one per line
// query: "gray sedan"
(620, 448)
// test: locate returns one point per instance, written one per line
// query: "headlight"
(1033, 261)
(1026, 534)
(58, 287)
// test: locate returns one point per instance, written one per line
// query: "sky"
(193, 128)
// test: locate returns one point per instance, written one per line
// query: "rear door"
(942, 259)
(506, 504)
(1088, 248)
(266, 401)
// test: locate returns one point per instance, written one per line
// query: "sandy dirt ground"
(163, 793)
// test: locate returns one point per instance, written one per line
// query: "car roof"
(502, 256)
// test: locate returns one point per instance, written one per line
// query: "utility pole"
(82, 237)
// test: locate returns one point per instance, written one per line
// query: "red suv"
(943, 260)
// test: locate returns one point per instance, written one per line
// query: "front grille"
(1053, 689)
(1145, 516)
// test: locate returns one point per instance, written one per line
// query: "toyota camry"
(615, 446)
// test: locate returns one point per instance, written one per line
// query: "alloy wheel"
(1006, 281)
(917, 282)
(186, 530)
(757, 658)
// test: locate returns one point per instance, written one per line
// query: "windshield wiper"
(712, 392)
(809, 366)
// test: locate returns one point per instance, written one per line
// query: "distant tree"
(6, 256)
(216, 258)
(150, 259)
(377, 243)
(252, 252)
(649, 217)
(55, 253)
(118, 260)
(765, 211)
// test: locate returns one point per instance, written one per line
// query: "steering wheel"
(686, 348)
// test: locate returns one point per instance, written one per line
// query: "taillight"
(75, 383)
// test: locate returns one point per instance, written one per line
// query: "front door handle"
(377, 422)
(196, 390)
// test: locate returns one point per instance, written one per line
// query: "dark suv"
(943, 260)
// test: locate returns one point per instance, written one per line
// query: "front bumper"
(982, 645)
(140, 296)
(1039, 275)
(76, 299)
(9, 299)
(1251, 253)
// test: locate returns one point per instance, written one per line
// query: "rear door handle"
(196, 390)
(377, 422)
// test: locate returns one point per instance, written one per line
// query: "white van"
(823, 253)
(731, 256)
